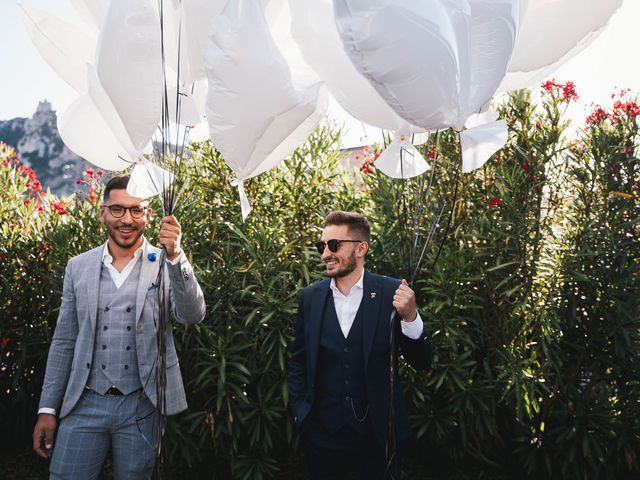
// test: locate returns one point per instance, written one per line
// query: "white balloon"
(129, 66)
(401, 159)
(547, 40)
(148, 180)
(314, 29)
(196, 17)
(254, 124)
(480, 142)
(85, 132)
(108, 113)
(65, 48)
(92, 11)
(434, 62)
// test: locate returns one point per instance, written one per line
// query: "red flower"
(100, 173)
(5, 162)
(628, 150)
(495, 202)
(597, 116)
(60, 207)
(4, 343)
(79, 181)
(432, 154)
(615, 168)
(524, 166)
(637, 187)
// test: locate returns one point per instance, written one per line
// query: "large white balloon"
(434, 62)
(85, 132)
(314, 29)
(547, 39)
(92, 11)
(129, 66)
(65, 48)
(256, 116)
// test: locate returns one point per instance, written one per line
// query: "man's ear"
(363, 248)
(103, 210)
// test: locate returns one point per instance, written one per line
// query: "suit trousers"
(126, 424)
(342, 454)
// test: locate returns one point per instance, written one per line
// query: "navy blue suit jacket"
(377, 309)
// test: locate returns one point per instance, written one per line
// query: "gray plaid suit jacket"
(71, 351)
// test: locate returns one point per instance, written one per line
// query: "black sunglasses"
(118, 211)
(333, 244)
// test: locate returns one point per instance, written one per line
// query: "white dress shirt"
(347, 307)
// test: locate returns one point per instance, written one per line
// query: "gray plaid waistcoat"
(115, 362)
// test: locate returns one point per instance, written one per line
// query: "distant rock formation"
(39, 146)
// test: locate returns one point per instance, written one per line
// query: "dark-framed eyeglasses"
(118, 211)
(333, 244)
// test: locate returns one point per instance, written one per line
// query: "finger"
(48, 441)
(404, 282)
(38, 443)
(170, 220)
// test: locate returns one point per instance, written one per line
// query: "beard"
(136, 234)
(349, 266)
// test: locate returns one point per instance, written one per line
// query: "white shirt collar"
(358, 285)
(108, 259)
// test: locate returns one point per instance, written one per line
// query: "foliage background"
(532, 305)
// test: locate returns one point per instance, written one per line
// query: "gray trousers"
(123, 423)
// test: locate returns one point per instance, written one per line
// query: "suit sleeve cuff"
(176, 260)
(50, 411)
(414, 329)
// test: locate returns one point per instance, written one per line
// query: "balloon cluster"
(257, 74)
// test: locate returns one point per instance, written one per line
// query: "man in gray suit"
(100, 377)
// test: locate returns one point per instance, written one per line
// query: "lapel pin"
(151, 256)
(373, 295)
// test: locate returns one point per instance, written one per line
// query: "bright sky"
(609, 62)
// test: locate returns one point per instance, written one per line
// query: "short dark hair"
(358, 224)
(119, 182)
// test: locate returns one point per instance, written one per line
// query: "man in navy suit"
(339, 367)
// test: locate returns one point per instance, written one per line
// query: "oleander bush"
(530, 291)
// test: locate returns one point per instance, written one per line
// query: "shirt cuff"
(50, 411)
(176, 260)
(414, 329)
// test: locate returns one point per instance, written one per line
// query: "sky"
(610, 62)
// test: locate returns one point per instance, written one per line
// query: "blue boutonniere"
(151, 256)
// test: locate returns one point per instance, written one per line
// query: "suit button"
(128, 309)
(347, 398)
(126, 367)
(346, 382)
(104, 347)
(104, 328)
(346, 349)
(128, 347)
(106, 309)
(128, 327)
(346, 365)
(104, 366)
(88, 365)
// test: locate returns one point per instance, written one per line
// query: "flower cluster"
(622, 107)
(369, 156)
(92, 180)
(565, 92)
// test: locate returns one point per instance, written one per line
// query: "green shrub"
(530, 295)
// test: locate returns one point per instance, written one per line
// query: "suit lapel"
(371, 309)
(314, 324)
(148, 275)
(94, 273)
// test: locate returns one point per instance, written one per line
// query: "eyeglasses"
(333, 245)
(118, 211)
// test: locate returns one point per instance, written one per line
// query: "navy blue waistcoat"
(340, 385)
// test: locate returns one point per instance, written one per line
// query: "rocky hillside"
(39, 146)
